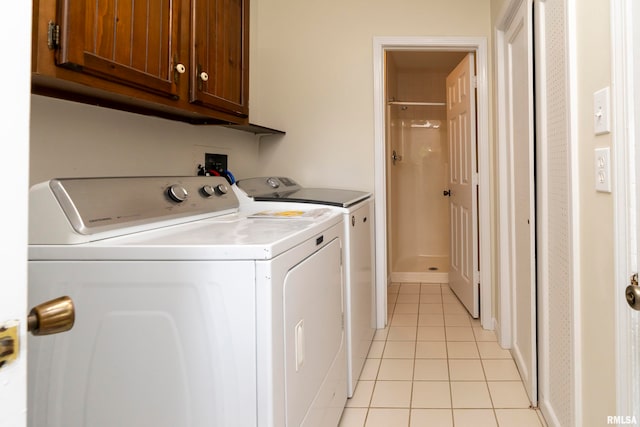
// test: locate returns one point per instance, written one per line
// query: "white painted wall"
(69, 139)
(311, 75)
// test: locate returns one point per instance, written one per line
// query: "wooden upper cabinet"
(129, 41)
(179, 59)
(220, 58)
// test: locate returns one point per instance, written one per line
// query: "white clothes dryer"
(356, 207)
(189, 311)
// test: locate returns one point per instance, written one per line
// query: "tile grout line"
(447, 353)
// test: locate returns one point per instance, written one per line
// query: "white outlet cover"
(603, 170)
(601, 111)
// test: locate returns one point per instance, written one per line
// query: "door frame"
(478, 45)
(503, 330)
(506, 328)
(626, 158)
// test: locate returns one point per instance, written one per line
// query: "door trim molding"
(466, 44)
(503, 321)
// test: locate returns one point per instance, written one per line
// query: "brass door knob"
(52, 317)
(632, 293)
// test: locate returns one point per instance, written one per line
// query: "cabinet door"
(220, 56)
(132, 42)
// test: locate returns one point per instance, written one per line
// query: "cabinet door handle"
(204, 76)
(180, 68)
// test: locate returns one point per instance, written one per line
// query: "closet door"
(518, 54)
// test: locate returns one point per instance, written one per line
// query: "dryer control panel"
(90, 206)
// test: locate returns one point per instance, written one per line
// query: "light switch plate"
(603, 170)
(601, 112)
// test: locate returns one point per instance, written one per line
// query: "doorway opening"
(418, 214)
(385, 107)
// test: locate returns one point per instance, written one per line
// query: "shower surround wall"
(418, 229)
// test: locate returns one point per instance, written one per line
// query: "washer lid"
(282, 189)
(320, 196)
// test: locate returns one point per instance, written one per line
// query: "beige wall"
(312, 75)
(596, 220)
(74, 140)
(497, 9)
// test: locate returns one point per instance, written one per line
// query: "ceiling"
(435, 61)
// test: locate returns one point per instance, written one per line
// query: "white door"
(625, 35)
(630, 374)
(634, 316)
(461, 122)
(14, 166)
(520, 130)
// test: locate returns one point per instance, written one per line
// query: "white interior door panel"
(461, 121)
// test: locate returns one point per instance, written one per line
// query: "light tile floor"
(434, 365)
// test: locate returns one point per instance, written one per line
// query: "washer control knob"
(177, 193)
(221, 189)
(208, 191)
(273, 183)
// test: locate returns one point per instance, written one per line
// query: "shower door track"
(427, 104)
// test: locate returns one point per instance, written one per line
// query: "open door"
(626, 67)
(633, 316)
(463, 193)
(15, 169)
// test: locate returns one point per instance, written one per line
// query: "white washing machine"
(356, 207)
(189, 312)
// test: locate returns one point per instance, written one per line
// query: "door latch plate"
(9, 344)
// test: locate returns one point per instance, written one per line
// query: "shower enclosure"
(418, 210)
(418, 217)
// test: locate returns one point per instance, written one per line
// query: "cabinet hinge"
(53, 35)
(474, 82)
